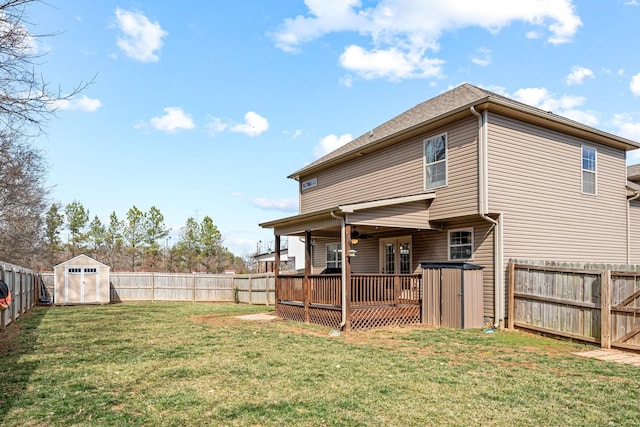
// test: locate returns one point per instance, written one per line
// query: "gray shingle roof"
(442, 105)
(455, 98)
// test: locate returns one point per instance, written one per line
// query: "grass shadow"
(17, 340)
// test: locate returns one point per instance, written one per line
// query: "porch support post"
(346, 264)
(276, 270)
(307, 272)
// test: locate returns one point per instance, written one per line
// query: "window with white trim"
(435, 161)
(460, 244)
(589, 158)
(334, 255)
(310, 183)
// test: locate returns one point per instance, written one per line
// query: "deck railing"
(366, 289)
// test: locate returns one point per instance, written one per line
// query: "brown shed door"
(451, 298)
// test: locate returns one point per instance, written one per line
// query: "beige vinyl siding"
(399, 171)
(535, 181)
(460, 196)
(634, 222)
(433, 246)
(405, 215)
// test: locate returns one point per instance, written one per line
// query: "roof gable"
(449, 105)
(82, 259)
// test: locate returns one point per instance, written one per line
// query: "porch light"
(354, 241)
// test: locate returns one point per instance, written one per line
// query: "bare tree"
(22, 200)
(26, 98)
(26, 104)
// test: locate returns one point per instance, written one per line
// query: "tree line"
(138, 241)
(30, 228)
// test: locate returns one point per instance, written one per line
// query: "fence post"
(193, 291)
(511, 302)
(2, 313)
(605, 309)
(250, 290)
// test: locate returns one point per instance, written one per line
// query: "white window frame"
(445, 161)
(338, 262)
(449, 245)
(310, 183)
(594, 171)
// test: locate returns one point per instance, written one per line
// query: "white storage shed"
(81, 280)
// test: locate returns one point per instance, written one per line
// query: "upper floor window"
(310, 183)
(435, 161)
(460, 244)
(589, 158)
(334, 255)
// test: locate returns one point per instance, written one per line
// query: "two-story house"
(468, 176)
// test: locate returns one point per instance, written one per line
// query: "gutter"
(629, 200)
(483, 210)
(343, 289)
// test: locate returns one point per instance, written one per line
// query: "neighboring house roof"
(633, 173)
(449, 106)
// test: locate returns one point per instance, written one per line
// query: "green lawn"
(196, 364)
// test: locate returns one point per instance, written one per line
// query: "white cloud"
(330, 143)
(254, 124)
(140, 39)
(84, 104)
(216, 125)
(627, 127)
(173, 120)
(482, 57)
(564, 106)
(635, 85)
(578, 74)
(293, 135)
(392, 63)
(401, 32)
(632, 3)
(285, 205)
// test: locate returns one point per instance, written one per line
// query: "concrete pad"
(260, 317)
(614, 356)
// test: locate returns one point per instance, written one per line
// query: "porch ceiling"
(379, 216)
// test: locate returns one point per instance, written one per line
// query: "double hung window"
(589, 158)
(435, 161)
(460, 244)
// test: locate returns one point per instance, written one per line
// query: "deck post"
(396, 290)
(276, 270)
(307, 271)
(347, 269)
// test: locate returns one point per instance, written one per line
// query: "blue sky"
(206, 109)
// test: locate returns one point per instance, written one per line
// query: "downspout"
(343, 289)
(629, 226)
(483, 209)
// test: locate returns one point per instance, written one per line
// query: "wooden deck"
(375, 299)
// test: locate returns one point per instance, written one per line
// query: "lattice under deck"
(361, 318)
(368, 318)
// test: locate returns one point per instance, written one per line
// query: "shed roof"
(449, 106)
(78, 260)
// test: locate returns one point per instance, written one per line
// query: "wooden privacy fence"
(25, 291)
(599, 303)
(137, 286)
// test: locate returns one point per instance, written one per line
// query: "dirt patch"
(260, 317)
